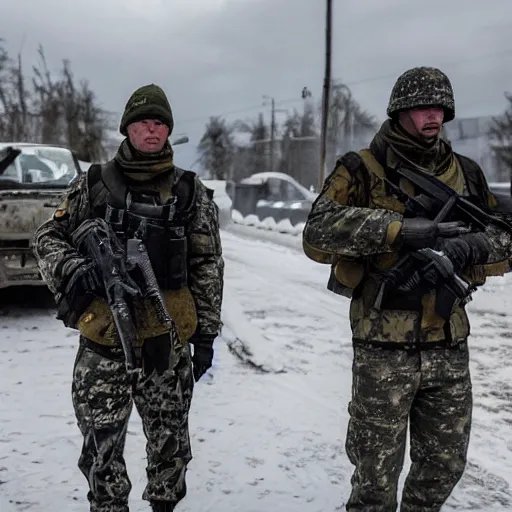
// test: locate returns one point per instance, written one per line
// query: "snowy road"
(261, 441)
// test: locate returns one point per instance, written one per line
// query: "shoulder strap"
(185, 190)
(474, 177)
(356, 165)
(98, 193)
(115, 183)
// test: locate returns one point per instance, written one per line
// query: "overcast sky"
(220, 56)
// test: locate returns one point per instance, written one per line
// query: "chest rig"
(138, 215)
(369, 173)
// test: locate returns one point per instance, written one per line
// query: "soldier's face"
(148, 135)
(424, 123)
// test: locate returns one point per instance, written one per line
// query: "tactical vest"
(408, 320)
(365, 165)
(162, 228)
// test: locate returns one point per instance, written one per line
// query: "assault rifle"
(427, 267)
(96, 240)
(447, 205)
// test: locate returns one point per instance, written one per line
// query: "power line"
(452, 63)
(349, 84)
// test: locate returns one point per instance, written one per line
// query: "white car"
(222, 200)
(33, 178)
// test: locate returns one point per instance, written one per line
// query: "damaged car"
(33, 179)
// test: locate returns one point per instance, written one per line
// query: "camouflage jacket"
(352, 231)
(57, 258)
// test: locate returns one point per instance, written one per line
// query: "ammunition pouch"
(345, 277)
(162, 228)
(167, 250)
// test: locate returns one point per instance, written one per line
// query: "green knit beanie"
(147, 102)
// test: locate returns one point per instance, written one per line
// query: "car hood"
(23, 211)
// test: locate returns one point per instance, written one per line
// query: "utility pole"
(272, 134)
(326, 92)
(272, 128)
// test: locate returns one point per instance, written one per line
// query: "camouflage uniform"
(102, 394)
(410, 366)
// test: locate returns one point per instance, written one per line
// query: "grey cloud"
(214, 57)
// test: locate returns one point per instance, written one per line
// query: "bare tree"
(96, 122)
(86, 123)
(15, 123)
(50, 107)
(500, 134)
(47, 102)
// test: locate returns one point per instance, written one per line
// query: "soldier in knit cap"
(128, 192)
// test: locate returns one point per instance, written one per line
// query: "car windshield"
(40, 166)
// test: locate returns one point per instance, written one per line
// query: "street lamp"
(180, 140)
(306, 93)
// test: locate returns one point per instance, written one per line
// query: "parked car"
(273, 194)
(222, 200)
(33, 178)
(501, 188)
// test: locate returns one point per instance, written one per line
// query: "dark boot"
(162, 506)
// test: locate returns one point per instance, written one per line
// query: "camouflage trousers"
(429, 390)
(103, 401)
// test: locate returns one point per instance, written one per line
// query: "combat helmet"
(422, 87)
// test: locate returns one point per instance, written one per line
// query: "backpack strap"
(474, 178)
(356, 165)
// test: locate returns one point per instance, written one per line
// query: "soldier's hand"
(465, 250)
(421, 233)
(452, 229)
(203, 354)
(418, 232)
(84, 279)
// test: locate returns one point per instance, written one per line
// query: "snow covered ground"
(267, 433)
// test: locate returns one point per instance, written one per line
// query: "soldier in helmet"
(410, 364)
(141, 194)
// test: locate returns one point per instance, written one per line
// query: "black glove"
(77, 291)
(203, 353)
(156, 353)
(420, 233)
(83, 282)
(465, 250)
(85, 278)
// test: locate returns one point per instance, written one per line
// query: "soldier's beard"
(429, 138)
